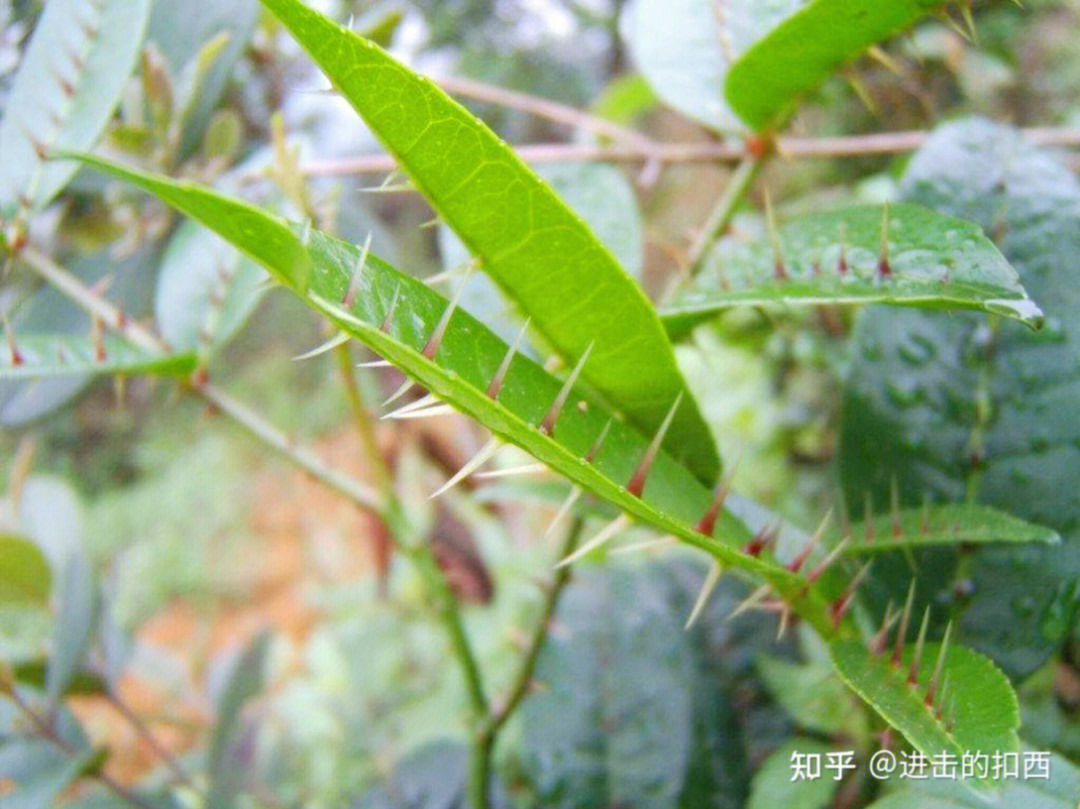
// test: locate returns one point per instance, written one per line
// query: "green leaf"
(75, 68)
(55, 355)
(613, 721)
(813, 696)
(464, 366)
(534, 246)
(76, 625)
(205, 290)
(949, 407)
(965, 524)
(773, 785)
(932, 261)
(46, 775)
(25, 575)
(685, 48)
(1059, 791)
(978, 709)
(246, 680)
(807, 48)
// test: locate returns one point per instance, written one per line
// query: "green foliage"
(973, 707)
(685, 50)
(773, 785)
(75, 68)
(25, 575)
(526, 238)
(949, 407)
(807, 48)
(902, 255)
(56, 355)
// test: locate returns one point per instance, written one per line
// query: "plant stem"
(738, 184)
(483, 744)
(883, 143)
(179, 776)
(48, 732)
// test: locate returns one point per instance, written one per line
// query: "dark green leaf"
(106, 37)
(535, 247)
(807, 48)
(25, 575)
(946, 406)
(931, 261)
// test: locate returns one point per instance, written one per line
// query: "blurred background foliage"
(201, 541)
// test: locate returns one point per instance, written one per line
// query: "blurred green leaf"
(245, 681)
(205, 290)
(814, 697)
(807, 48)
(76, 67)
(76, 625)
(775, 787)
(41, 776)
(25, 575)
(685, 49)
(42, 356)
(933, 261)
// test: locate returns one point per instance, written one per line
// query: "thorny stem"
(381, 503)
(47, 731)
(882, 143)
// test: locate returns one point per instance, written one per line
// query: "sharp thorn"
(797, 563)
(389, 318)
(765, 538)
(905, 620)
(547, 426)
(527, 469)
(594, 450)
(785, 620)
(841, 606)
(939, 665)
(920, 643)
(421, 413)
(16, 356)
(564, 509)
(424, 402)
(482, 456)
(880, 642)
(617, 525)
(440, 328)
(500, 373)
(358, 273)
(338, 339)
(712, 578)
(646, 545)
(820, 568)
(779, 269)
(884, 269)
(406, 386)
(637, 482)
(375, 364)
(707, 523)
(751, 601)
